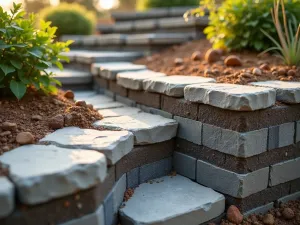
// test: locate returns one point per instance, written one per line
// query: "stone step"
(110, 70)
(147, 128)
(171, 200)
(71, 76)
(89, 57)
(122, 111)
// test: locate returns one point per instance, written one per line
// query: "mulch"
(272, 67)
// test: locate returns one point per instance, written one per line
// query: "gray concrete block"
(234, 143)
(96, 218)
(185, 165)
(155, 170)
(284, 171)
(297, 136)
(281, 135)
(290, 197)
(110, 94)
(133, 178)
(109, 213)
(155, 111)
(189, 130)
(118, 192)
(228, 182)
(125, 100)
(259, 210)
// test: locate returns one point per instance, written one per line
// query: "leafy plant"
(70, 19)
(26, 53)
(237, 24)
(148, 4)
(289, 39)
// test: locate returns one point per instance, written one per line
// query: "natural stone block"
(281, 135)
(291, 197)
(155, 111)
(110, 105)
(190, 130)
(173, 85)
(288, 92)
(133, 178)
(7, 197)
(117, 89)
(234, 143)
(260, 210)
(109, 94)
(123, 111)
(96, 100)
(231, 96)
(233, 184)
(134, 80)
(172, 200)
(118, 193)
(155, 170)
(184, 165)
(146, 98)
(72, 77)
(114, 144)
(57, 172)
(147, 128)
(109, 213)
(284, 172)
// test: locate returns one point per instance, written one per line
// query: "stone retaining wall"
(250, 156)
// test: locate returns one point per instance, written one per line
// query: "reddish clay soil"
(40, 115)
(285, 214)
(178, 60)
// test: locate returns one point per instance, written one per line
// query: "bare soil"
(33, 113)
(165, 62)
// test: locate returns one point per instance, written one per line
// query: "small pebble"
(196, 56)
(81, 103)
(257, 71)
(269, 219)
(69, 94)
(25, 138)
(233, 60)
(178, 61)
(288, 213)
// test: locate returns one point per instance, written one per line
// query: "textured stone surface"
(185, 165)
(234, 143)
(231, 96)
(173, 85)
(259, 210)
(133, 178)
(110, 70)
(60, 171)
(155, 170)
(96, 100)
(288, 92)
(114, 144)
(155, 111)
(147, 128)
(297, 132)
(96, 218)
(146, 98)
(172, 201)
(68, 76)
(134, 80)
(234, 184)
(179, 107)
(281, 135)
(80, 203)
(118, 192)
(84, 94)
(126, 101)
(109, 209)
(7, 197)
(190, 130)
(144, 154)
(109, 105)
(284, 172)
(124, 111)
(117, 89)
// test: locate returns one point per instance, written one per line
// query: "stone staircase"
(143, 31)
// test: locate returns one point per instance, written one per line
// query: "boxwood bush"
(148, 4)
(237, 24)
(27, 53)
(70, 19)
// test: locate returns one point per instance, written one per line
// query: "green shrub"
(70, 19)
(26, 53)
(237, 24)
(148, 4)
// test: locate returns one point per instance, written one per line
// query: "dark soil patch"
(284, 214)
(165, 62)
(33, 113)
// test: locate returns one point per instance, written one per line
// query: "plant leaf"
(7, 69)
(35, 52)
(18, 88)
(17, 64)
